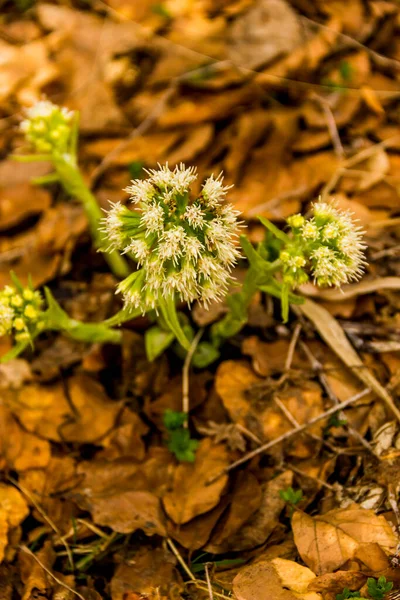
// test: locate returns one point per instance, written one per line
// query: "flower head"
(186, 247)
(328, 245)
(21, 312)
(48, 127)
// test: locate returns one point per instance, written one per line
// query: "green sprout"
(179, 441)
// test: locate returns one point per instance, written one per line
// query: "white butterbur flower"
(152, 218)
(195, 216)
(330, 244)
(185, 247)
(6, 317)
(214, 191)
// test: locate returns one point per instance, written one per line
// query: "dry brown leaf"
(252, 582)
(333, 334)
(268, 30)
(191, 494)
(86, 416)
(260, 526)
(128, 511)
(296, 578)
(150, 573)
(38, 582)
(336, 582)
(196, 533)
(13, 510)
(246, 500)
(15, 206)
(326, 542)
(19, 449)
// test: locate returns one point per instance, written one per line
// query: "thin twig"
(209, 586)
(180, 559)
(292, 346)
(64, 585)
(40, 510)
(331, 124)
(289, 434)
(185, 374)
(317, 479)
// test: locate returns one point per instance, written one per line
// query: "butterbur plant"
(377, 589)
(52, 134)
(185, 247)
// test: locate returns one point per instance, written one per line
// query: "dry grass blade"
(333, 334)
(354, 289)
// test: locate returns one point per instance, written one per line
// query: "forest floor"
(290, 100)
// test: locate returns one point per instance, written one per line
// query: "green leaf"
(168, 311)
(135, 169)
(180, 444)
(156, 341)
(281, 235)
(174, 419)
(205, 354)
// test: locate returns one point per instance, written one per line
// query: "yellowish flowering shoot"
(21, 313)
(326, 246)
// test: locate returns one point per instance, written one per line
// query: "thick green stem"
(92, 332)
(73, 183)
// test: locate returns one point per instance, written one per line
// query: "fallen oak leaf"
(326, 542)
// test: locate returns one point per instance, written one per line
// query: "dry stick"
(210, 590)
(289, 434)
(331, 123)
(317, 366)
(64, 585)
(317, 479)
(53, 526)
(185, 374)
(292, 346)
(180, 560)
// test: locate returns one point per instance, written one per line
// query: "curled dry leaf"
(328, 541)
(191, 494)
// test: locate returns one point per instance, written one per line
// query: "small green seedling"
(291, 496)
(378, 588)
(348, 594)
(179, 441)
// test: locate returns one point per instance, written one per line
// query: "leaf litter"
(290, 100)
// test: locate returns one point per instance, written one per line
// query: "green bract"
(185, 247)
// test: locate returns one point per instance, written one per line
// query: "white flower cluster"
(47, 127)
(328, 245)
(185, 247)
(20, 313)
